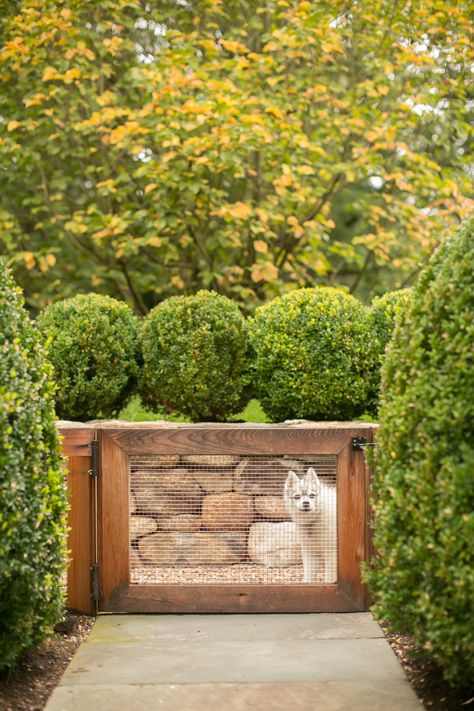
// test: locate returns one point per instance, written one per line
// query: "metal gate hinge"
(359, 443)
(95, 582)
(94, 470)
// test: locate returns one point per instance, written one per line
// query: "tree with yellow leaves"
(150, 149)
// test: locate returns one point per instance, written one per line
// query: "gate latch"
(359, 443)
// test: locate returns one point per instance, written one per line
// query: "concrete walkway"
(318, 662)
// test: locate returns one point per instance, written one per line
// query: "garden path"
(328, 662)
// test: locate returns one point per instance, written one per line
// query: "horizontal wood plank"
(76, 441)
(273, 440)
(176, 599)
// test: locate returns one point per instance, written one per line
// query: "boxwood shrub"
(384, 313)
(313, 349)
(93, 346)
(423, 492)
(195, 357)
(32, 489)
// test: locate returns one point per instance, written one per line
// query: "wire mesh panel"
(230, 519)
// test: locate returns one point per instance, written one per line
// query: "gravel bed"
(244, 574)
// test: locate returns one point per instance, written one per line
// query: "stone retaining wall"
(211, 510)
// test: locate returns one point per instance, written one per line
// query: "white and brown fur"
(312, 506)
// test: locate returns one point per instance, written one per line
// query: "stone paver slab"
(325, 662)
(204, 661)
(190, 628)
(329, 696)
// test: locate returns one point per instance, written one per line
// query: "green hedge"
(313, 349)
(195, 353)
(423, 490)
(32, 490)
(93, 346)
(384, 312)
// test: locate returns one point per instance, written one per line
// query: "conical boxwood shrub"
(93, 346)
(423, 490)
(32, 487)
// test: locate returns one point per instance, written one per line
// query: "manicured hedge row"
(32, 487)
(314, 353)
(423, 492)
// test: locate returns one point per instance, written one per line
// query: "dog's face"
(302, 496)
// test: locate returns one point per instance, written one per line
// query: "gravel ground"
(39, 671)
(244, 574)
(425, 677)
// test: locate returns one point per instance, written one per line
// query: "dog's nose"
(306, 505)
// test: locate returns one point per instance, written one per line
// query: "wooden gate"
(128, 554)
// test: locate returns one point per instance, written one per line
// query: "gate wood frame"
(109, 544)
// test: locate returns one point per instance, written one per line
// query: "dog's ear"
(312, 479)
(292, 481)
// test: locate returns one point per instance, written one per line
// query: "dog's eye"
(297, 496)
(312, 496)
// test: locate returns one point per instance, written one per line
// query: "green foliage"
(384, 313)
(32, 489)
(260, 147)
(423, 484)
(93, 346)
(135, 411)
(195, 353)
(312, 351)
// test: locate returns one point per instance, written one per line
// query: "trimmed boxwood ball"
(312, 352)
(195, 357)
(32, 486)
(423, 483)
(93, 346)
(384, 312)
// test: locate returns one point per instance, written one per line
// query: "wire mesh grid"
(229, 519)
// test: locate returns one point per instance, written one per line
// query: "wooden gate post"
(76, 446)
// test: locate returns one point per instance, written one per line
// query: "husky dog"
(312, 506)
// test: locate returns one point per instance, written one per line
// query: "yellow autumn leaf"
(50, 260)
(150, 187)
(50, 73)
(233, 46)
(238, 210)
(177, 281)
(169, 156)
(11, 125)
(260, 246)
(264, 272)
(305, 170)
(102, 233)
(262, 214)
(72, 74)
(113, 45)
(320, 151)
(105, 183)
(29, 259)
(154, 242)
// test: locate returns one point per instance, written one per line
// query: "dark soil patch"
(426, 679)
(31, 684)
